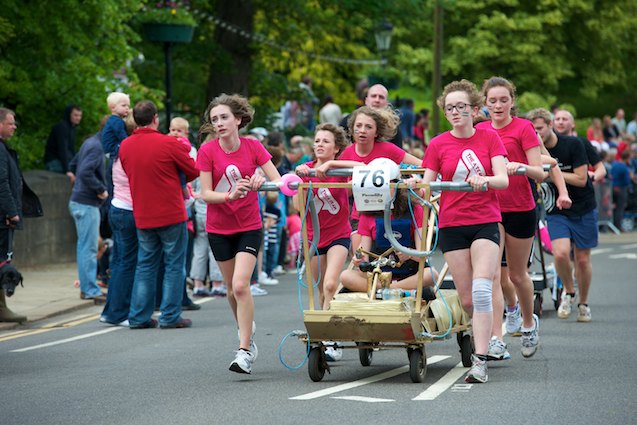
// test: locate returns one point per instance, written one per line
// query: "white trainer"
(242, 362)
(564, 310)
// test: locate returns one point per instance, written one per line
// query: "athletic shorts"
(226, 247)
(520, 224)
(461, 237)
(581, 230)
(342, 242)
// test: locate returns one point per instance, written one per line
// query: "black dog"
(10, 277)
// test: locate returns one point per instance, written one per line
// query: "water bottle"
(392, 294)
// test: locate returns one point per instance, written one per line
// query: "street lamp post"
(383, 35)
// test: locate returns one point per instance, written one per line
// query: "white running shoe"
(530, 338)
(253, 346)
(242, 362)
(583, 313)
(269, 281)
(278, 270)
(497, 350)
(333, 352)
(478, 374)
(513, 320)
(257, 291)
(564, 310)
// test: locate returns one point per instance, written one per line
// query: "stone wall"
(49, 239)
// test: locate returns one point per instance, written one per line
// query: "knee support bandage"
(481, 295)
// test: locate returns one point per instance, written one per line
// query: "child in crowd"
(271, 218)
(294, 236)
(114, 130)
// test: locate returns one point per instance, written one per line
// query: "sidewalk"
(48, 290)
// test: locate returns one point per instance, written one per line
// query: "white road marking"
(629, 255)
(64, 341)
(364, 399)
(442, 384)
(364, 381)
(631, 246)
(601, 251)
(461, 388)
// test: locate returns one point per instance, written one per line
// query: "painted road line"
(364, 399)
(442, 384)
(369, 380)
(74, 321)
(601, 251)
(64, 341)
(627, 255)
(631, 246)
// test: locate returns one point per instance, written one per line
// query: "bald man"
(378, 98)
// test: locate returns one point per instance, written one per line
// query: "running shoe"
(497, 350)
(242, 362)
(200, 292)
(530, 338)
(333, 352)
(564, 310)
(478, 372)
(279, 270)
(513, 320)
(269, 281)
(218, 291)
(253, 346)
(257, 291)
(583, 313)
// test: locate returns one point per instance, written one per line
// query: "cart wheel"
(365, 355)
(316, 364)
(417, 365)
(537, 304)
(466, 350)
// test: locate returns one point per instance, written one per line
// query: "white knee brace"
(481, 295)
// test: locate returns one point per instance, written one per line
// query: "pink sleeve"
(261, 153)
(204, 163)
(418, 213)
(497, 147)
(364, 225)
(431, 159)
(528, 136)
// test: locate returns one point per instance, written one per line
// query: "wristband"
(227, 197)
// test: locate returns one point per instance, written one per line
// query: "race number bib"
(370, 187)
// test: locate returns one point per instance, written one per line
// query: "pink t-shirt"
(367, 222)
(380, 150)
(457, 160)
(333, 210)
(294, 224)
(518, 136)
(240, 215)
(122, 198)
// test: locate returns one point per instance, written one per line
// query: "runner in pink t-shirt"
(469, 234)
(228, 181)
(406, 277)
(332, 205)
(370, 130)
(519, 218)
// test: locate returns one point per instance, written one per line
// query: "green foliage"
(531, 100)
(60, 52)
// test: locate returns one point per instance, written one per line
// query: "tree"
(53, 53)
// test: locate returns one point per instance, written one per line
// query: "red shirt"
(152, 162)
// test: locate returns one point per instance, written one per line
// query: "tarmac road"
(70, 369)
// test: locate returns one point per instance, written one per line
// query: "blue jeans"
(87, 224)
(123, 265)
(171, 241)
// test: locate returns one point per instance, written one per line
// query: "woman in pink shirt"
(370, 130)
(519, 219)
(468, 221)
(233, 221)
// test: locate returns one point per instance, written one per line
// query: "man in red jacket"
(152, 161)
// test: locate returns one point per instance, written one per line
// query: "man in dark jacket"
(60, 146)
(89, 192)
(10, 200)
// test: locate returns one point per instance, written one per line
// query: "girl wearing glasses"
(519, 218)
(468, 221)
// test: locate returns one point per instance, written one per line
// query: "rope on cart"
(300, 284)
